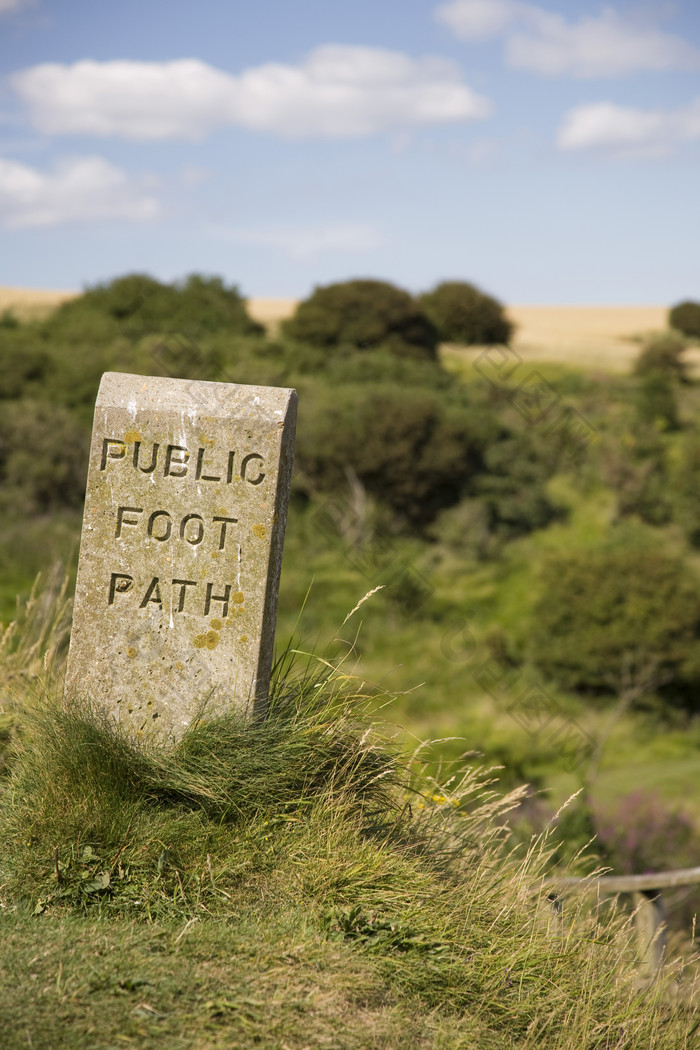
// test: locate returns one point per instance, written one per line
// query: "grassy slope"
(288, 884)
(242, 983)
(433, 661)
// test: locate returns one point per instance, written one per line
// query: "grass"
(291, 882)
(270, 983)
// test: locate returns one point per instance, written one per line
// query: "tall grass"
(33, 648)
(311, 832)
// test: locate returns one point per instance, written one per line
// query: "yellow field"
(271, 311)
(29, 303)
(605, 337)
(599, 337)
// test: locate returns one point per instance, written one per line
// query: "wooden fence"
(650, 914)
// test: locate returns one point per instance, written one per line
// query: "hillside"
(529, 537)
(288, 883)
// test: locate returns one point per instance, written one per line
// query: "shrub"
(407, 446)
(512, 487)
(685, 318)
(663, 354)
(465, 529)
(634, 464)
(123, 297)
(363, 315)
(685, 487)
(382, 366)
(616, 619)
(206, 304)
(23, 361)
(464, 314)
(137, 304)
(9, 319)
(43, 457)
(656, 402)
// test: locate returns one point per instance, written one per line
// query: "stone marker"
(181, 549)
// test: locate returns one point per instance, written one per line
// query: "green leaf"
(98, 883)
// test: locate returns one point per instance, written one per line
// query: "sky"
(548, 152)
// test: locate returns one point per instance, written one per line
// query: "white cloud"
(307, 243)
(544, 42)
(80, 190)
(478, 19)
(337, 92)
(194, 175)
(481, 153)
(628, 131)
(14, 5)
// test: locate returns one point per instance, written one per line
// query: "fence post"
(650, 923)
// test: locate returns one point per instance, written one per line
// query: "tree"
(685, 487)
(43, 457)
(24, 361)
(685, 318)
(634, 464)
(512, 487)
(464, 314)
(656, 402)
(137, 304)
(665, 355)
(408, 447)
(619, 620)
(363, 315)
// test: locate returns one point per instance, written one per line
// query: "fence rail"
(650, 913)
(660, 880)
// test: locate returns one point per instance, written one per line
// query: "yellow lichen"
(208, 640)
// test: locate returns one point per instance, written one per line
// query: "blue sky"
(547, 151)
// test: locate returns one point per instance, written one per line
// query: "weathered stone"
(181, 549)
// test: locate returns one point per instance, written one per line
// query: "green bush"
(617, 619)
(137, 304)
(43, 457)
(465, 530)
(382, 366)
(663, 354)
(24, 361)
(656, 401)
(684, 488)
(634, 464)
(512, 487)
(9, 319)
(363, 315)
(464, 314)
(407, 446)
(685, 318)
